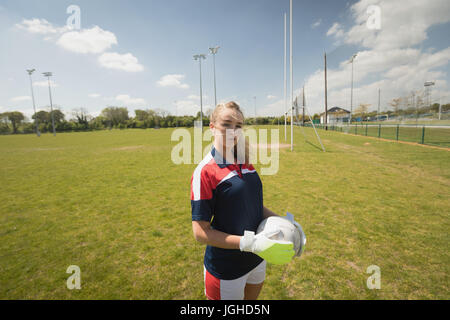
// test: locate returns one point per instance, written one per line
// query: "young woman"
(230, 193)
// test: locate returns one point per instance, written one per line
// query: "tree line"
(111, 117)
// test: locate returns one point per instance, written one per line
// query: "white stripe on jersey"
(196, 183)
(228, 176)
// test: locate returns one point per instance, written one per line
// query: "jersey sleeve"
(201, 196)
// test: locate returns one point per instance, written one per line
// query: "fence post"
(379, 130)
(398, 126)
(356, 128)
(366, 129)
(423, 134)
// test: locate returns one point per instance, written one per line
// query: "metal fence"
(437, 135)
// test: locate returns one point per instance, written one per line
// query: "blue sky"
(139, 53)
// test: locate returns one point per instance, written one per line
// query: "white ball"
(289, 231)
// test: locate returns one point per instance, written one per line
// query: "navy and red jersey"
(231, 195)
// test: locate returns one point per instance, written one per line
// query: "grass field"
(113, 203)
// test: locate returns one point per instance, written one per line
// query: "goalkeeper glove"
(273, 251)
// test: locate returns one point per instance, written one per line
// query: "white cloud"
(336, 30)
(274, 108)
(172, 80)
(94, 95)
(128, 101)
(316, 24)
(390, 59)
(40, 26)
(125, 62)
(397, 72)
(271, 97)
(94, 40)
(20, 98)
(404, 23)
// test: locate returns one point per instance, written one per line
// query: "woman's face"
(227, 128)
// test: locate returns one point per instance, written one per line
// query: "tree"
(362, 109)
(115, 115)
(395, 104)
(141, 115)
(82, 117)
(435, 107)
(42, 117)
(98, 123)
(57, 115)
(4, 123)
(16, 118)
(161, 113)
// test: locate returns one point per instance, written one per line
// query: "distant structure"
(335, 115)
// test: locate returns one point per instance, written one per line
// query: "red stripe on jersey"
(209, 177)
(212, 286)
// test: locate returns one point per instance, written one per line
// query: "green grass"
(113, 203)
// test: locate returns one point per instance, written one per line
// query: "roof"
(336, 110)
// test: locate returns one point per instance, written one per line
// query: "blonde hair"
(231, 105)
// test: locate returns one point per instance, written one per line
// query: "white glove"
(290, 217)
(273, 251)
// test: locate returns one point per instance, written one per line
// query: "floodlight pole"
(30, 71)
(213, 52)
(176, 114)
(303, 98)
(379, 94)
(199, 57)
(440, 107)
(291, 73)
(326, 94)
(254, 100)
(48, 75)
(285, 79)
(351, 92)
(428, 85)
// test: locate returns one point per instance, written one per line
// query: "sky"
(139, 54)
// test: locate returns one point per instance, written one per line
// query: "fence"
(424, 134)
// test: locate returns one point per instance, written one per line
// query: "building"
(335, 115)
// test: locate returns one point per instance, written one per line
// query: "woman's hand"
(273, 251)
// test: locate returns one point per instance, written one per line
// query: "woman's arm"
(268, 213)
(204, 234)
